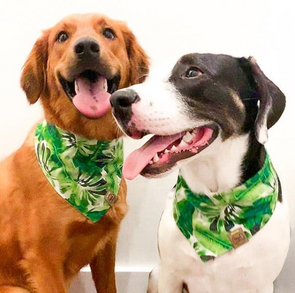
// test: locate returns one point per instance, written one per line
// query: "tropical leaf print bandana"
(86, 173)
(217, 224)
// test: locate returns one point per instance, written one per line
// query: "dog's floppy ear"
(33, 78)
(139, 64)
(271, 102)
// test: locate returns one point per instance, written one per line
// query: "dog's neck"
(81, 125)
(222, 166)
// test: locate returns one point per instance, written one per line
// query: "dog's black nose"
(123, 99)
(86, 47)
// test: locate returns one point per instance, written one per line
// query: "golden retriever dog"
(44, 241)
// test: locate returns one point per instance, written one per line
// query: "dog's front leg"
(267, 289)
(45, 276)
(103, 268)
(153, 286)
(169, 281)
(154, 280)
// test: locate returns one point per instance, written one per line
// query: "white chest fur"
(218, 168)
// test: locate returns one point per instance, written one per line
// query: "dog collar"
(85, 172)
(215, 225)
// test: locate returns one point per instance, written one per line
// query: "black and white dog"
(210, 115)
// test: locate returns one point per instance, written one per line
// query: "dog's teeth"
(150, 162)
(166, 151)
(183, 143)
(194, 149)
(156, 158)
(76, 87)
(188, 137)
(174, 148)
(105, 87)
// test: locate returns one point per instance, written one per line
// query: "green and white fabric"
(83, 171)
(208, 221)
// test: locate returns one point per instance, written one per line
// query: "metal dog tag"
(237, 237)
(111, 198)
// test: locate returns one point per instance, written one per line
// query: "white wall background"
(264, 29)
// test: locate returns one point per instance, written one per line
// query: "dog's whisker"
(141, 76)
(250, 99)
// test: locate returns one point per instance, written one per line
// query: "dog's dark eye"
(62, 37)
(109, 33)
(193, 72)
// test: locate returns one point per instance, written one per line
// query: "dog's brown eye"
(109, 33)
(62, 37)
(193, 72)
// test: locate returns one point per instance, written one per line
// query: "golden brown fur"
(44, 241)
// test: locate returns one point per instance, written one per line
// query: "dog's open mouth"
(90, 92)
(161, 153)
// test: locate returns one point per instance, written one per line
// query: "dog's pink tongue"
(138, 159)
(91, 99)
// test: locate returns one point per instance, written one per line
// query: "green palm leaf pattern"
(81, 170)
(207, 221)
